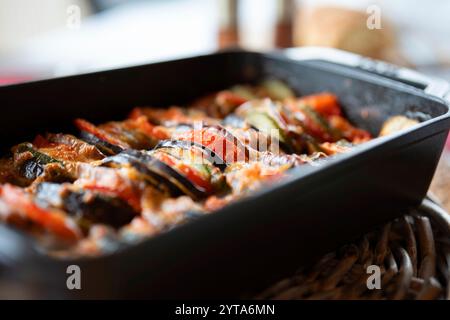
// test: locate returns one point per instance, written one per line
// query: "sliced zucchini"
(277, 90)
(264, 123)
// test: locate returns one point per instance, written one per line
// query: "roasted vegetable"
(219, 140)
(326, 104)
(152, 177)
(277, 90)
(198, 174)
(32, 163)
(397, 123)
(156, 172)
(127, 180)
(118, 183)
(112, 137)
(99, 208)
(194, 166)
(265, 116)
(314, 124)
(348, 131)
(85, 206)
(170, 117)
(207, 153)
(18, 201)
(221, 104)
(104, 146)
(67, 148)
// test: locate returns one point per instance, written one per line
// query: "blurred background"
(44, 38)
(47, 38)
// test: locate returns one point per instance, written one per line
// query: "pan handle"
(432, 86)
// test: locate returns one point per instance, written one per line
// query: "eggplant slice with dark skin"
(31, 164)
(159, 172)
(99, 208)
(87, 207)
(157, 180)
(34, 165)
(105, 147)
(210, 155)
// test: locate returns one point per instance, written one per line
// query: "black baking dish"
(253, 242)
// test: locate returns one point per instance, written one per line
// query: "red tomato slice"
(308, 123)
(126, 194)
(230, 98)
(324, 103)
(109, 181)
(99, 133)
(190, 173)
(142, 124)
(351, 133)
(53, 221)
(213, 139)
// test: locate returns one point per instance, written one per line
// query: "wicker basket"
(413, 254)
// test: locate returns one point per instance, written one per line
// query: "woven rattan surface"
(413, 254)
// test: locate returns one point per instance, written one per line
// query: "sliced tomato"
(349, 132)
(230, 99)
(325, 103)
(174, 114)
(210, 137)
(190, 173)
(142, 124)
(126, 194)
(109, 181)
(54, 221)
(88, 127)
(309, 121)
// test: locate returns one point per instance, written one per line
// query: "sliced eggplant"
(158, 172)
(218, 139)
(209, 155)
(31, 162)
(155, 179)
(177, 178)
(232, 138)
(99, 208)
(67, 148)
(38, 156)
(105, 147)
(87, 207)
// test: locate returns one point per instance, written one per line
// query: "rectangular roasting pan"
(254, 242)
